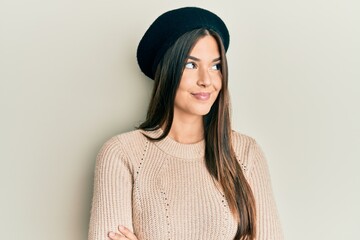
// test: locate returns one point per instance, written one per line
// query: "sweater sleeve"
(111, 204)
(268, 224)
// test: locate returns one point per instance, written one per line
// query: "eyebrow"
(198, 59)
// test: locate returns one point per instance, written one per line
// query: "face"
(201, 80)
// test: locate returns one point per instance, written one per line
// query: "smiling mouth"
(203, 96)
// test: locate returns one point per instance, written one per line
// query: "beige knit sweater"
(162, 190)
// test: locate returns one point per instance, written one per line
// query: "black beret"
(168, 27)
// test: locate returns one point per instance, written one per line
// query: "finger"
(116, 236)
(127, 233)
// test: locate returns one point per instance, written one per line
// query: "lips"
(203, 96)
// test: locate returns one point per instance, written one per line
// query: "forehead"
(206, 47)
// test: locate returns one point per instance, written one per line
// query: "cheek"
(187, 80)
(181, 95)
(218, 83)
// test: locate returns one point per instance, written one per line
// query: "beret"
(168, 27)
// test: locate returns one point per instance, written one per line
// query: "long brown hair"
(220, 157)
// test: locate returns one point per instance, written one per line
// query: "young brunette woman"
(184, 174)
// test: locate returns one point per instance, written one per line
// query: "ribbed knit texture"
(162, 190)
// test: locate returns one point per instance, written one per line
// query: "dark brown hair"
(220, 157)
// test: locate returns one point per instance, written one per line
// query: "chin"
(202, 112)
(194, 109)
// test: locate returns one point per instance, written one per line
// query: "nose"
(204, 78)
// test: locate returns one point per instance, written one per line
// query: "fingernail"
(111, 234)
(121, 227)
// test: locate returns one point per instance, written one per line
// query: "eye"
(216, 66)
(190, 65)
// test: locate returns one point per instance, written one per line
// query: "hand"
(125, 234)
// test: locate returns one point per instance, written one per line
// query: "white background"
(69, 80)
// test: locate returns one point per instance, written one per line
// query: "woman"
(184, 174)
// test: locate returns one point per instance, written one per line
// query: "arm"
(268, 224)
(112, 195)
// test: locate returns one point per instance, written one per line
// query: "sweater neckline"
(179, 150)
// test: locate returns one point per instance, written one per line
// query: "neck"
(189, 130)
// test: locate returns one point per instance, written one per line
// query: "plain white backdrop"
(69, 80)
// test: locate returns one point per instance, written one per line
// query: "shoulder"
(123, 147)
(241, 141)
(122, 141)
(245, 148)
(131, 139)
